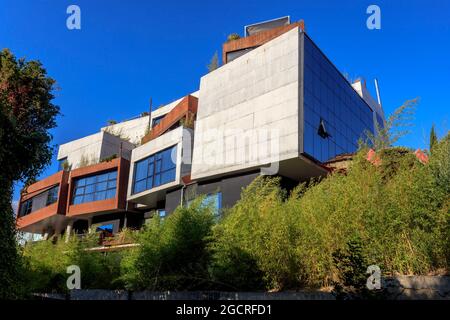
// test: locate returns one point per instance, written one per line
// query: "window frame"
(208, 198)
(154, 167)
(28, 204)
(93, 185)
(157, 120)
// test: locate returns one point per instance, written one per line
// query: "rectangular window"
(95, 188)
(39, 201)
(52, 195)
(155, 170)
(161, 213)
(211, 199)
(215, 201)
(26, 208)
(157, 120)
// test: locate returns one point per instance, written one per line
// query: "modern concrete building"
(276, 106)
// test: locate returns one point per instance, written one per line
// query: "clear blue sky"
(128, 51)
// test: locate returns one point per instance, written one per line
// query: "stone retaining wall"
(417, 287)
(396, 288)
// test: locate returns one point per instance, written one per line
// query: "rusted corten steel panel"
(116, 204)
(58, 208)
(257, 40)
(186, 107)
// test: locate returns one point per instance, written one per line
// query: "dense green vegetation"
(395, 215)
(173, 252)
(399, 211)
(46, 263)
(26, 115)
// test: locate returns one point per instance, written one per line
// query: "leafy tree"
(254, 245)
(214, 63)
(351, 263)
(26, 115)
(397, 126)
(46, 263)
(433, 138)
(172, 254)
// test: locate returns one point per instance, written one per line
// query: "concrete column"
(89, 224)
(125, 221)
(69, 231)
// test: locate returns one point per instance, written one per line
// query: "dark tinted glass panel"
(95, 188)
(39, 201)
(26, 208)
(329, 97)
(156, 170)
(52, 195)
(157, 120)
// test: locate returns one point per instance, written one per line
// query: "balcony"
(235, 48)
(94, 148)
(43, 205)
(185, 109)
(99, 188)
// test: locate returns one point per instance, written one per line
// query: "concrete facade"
(132, 130)
(94, 148)
(256, 92)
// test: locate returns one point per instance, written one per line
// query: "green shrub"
(256, 241)
(398, 211)
(233, 36)
(172, 254)
(46, 266)
(47, 262)
(399, 220)
(395, 215)
(351, 264)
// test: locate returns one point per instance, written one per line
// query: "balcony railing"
(185, 109)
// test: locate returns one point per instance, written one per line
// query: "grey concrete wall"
(192, 295)
(417, 287)
(258, 91)
(219, 295)
(93, 148)
(133, 130)
(396, 288)
(88, 147)
(111, 145)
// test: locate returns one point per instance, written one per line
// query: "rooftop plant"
(233, 36)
